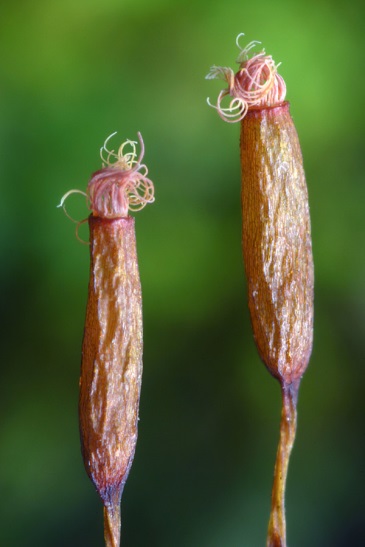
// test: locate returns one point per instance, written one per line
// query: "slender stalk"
(112, 525)
(277, 527)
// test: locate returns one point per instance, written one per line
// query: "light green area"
(73, 72)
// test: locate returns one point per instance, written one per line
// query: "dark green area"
(73, 72)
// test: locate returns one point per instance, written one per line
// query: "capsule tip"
(256, 83)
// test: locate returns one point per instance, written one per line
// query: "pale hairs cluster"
(256, 83)
(121, 186)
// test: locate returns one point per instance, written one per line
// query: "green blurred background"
(73, 72)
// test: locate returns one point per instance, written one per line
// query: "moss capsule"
(111, 368)
(276, 240)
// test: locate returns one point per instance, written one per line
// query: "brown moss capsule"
(111, 369)
(276, 241)
(279, 268)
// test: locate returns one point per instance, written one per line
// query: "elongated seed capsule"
(276, 241)
(279, 268)
(111, 368)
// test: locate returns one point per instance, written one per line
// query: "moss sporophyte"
(276, 240)
(111, 367)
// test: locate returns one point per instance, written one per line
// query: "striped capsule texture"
(111, 370)
(276, 240)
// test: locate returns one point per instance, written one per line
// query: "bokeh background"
(73, 72)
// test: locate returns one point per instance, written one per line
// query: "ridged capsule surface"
(277, 241)
(111, 369)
